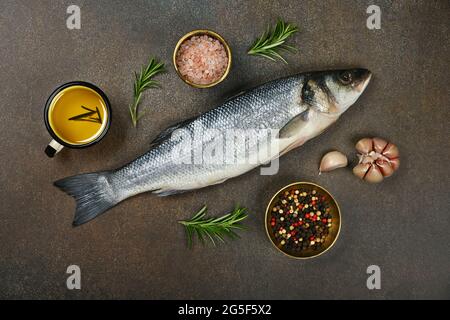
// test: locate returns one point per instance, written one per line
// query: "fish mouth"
(363, 76)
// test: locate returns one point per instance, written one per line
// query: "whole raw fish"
(250, 129)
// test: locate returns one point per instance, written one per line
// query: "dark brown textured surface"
(137, 250)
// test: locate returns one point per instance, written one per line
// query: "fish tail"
(92, 192)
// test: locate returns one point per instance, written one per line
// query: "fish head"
(346, 86)
(333, 92)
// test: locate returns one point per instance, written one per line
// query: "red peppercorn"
(272, 223)
(307, 216)
(311, 238)
(324, 220)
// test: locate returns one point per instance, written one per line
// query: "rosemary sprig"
(143, 81)
(214, 228)
(271, 42)
(87, 116)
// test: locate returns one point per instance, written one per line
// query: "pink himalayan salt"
(202, 59)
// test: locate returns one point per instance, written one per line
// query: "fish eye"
(346, 77)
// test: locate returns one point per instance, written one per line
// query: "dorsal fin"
(235, 95)
(166, 133)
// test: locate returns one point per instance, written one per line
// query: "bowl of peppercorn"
(303, 220)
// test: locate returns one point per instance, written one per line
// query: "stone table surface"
(137, 249)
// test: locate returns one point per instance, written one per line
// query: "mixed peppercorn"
(301, 220)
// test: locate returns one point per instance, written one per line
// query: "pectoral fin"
(294, 125)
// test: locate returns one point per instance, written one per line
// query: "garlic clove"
(391, 151)
(385, 167)
(332, 160)
(374, 175)
(361, 169)
(395, 163)
(379, 144)
(364, 146)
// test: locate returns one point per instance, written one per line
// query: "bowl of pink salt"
(202, 58)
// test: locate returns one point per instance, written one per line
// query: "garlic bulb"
(332, 160)
(378, 159)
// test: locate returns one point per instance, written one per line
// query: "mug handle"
(53, 148)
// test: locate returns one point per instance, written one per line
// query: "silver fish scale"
(269, 106)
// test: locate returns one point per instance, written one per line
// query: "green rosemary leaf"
(199, 215)
(209, 234)
(189, 236)
(277, 56)
(218, 236)
(214, 228)
(273, 41)
(288, 48)
(199, 234)
(265, 56)
(143, 81)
